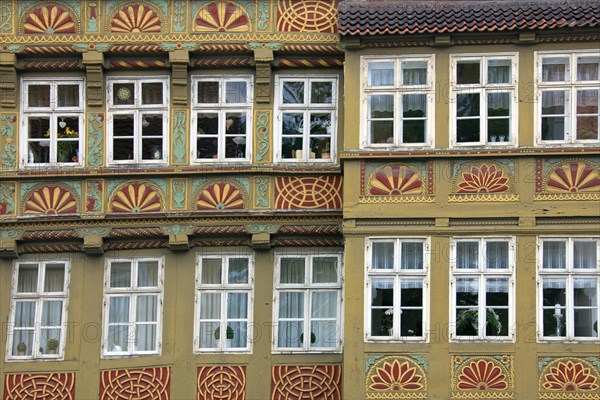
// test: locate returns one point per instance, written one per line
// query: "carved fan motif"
(136, 18)
(49, 20)
(51, 200)
(222, 17)
(136, 198)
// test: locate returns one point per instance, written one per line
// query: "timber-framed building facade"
(281, 199)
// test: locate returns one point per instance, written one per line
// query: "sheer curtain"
(323, 324)
(467, 255)
(383, 255)
(584, 255)
(554, 255)
(210, 315)
(412, 256)
(146, 323)
(291, 317)
(586, 307)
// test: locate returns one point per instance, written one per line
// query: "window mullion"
(307, 318)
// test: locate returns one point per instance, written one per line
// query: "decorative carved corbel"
(93, 62)
(8, 248)
(179, 242)
(179, 60)
(8, 80)
(261, 241)
(263, 57)
(93, 245)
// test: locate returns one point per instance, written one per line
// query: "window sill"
(300, 351)
(31, 359)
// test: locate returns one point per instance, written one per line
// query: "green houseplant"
(469, 318)
(21, 348)
(52, 345)
(228, 333)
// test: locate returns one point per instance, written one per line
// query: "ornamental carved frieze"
(136, 197)
(50, 199)
(567, 179)
(396, 377)
(220, 195)
(221, 382)
(482, 377)
(136, 17)
(49, 19)
(39, 386)
(396, 182)
(307, 16)
(290, 382)
(483, 181)
(569, 378)
(297, 193)
(221, 16)
(136, 384)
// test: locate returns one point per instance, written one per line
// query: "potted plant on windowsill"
(21, 348)
(469, 318)
(228, 335)
(52, 345)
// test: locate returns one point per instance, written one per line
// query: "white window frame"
(308, 288)
(38, 297)
(224, 288)
(483, 88)
(397, 274)
(306, 108)
(221, 108)
(569, 274)
(397, 90)
(133, 292)
(570, 85)
(52, 113)
(482, 274)
(138, 110)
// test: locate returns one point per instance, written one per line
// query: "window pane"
(118, 309)
(587, 68)
(293, 124)
(411, 293)
(467, 104)
(496, 322)
(584, 322)
(238, 270)
(147, 273)
(382, 321)
(325, 270)
(411, 323)
(321, 93)
(292, 270)
(553, 128)
(585, 292)
(145, 337)
(38, 95)
(382, 131)
(467, 72)
(118, 338)
(412, 255)
(208, 331)
(496, 291)
(207, 145)
(467, 292)
(27, 280)
(49, 341)
(208, 92)
(293, 92)
(499, 71)
(120, 274)
(291, 305)
(467, 322)
(383, 255)
(382, 293)
(498, 130)
(235, 140)
(497, 255)
(413, 131)
(235, 92)
(323, 333)
(320, 124)
(291, 147)
(211, 271)
(39, 128)
(210, 305)
(414, 72)
(54, 278)
(52, 313)
(587, 103)
(584, 254)
(152, 131)
(324, 304)
(24, 314)
(554, 69)
(467, 255)
(498, 104)
(554, 254)
(146, 308)
(290, 334)
(152, 93)
(553, 102)
(237, 306)
(67, 139)
(123, 94)
(381, 106)
(320, 147)
(414, 105)
(381, 74)
(68, 96)
(239, 331)
(554, 303)
(25, 339)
